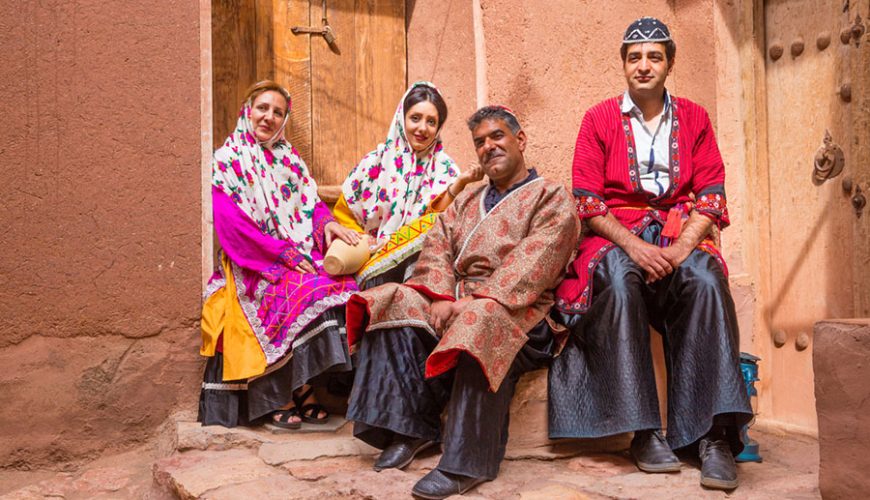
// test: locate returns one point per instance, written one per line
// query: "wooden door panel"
(811, 226)
(234, 61)
(292, 63)
(333, 94)
(380, 69)
(355, 86)
(343, 97)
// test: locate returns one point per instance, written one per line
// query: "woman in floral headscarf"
(272, 318)
(395, 193)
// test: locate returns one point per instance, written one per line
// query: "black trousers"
(391, 398)
(603, 383)
(246, 402)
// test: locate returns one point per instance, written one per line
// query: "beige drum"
(342, 258)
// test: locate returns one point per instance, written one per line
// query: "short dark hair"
(494, 113)
(422, 93)
(670, 50)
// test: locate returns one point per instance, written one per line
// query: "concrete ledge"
(841, 362)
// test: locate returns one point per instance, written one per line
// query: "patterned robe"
(509, 259)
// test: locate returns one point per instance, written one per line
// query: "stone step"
(272, 444)
(528, 434)
(326, 460)
(788, 471)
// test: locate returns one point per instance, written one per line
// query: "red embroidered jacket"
(606, 179)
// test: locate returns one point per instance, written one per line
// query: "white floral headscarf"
(393, 185)
(267, 181)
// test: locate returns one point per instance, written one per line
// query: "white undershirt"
(656, 178)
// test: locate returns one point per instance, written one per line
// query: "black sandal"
(284, 416)
(309, 413)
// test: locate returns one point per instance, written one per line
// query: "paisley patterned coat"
(509, 259)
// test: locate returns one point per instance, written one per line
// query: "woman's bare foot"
(309, 408)
(287, 417)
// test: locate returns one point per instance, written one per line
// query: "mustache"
(494, 153)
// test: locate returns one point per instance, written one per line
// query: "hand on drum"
(335, 230)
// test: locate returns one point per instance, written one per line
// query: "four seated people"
(447, 323)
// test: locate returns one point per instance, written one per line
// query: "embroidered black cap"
(646, 29)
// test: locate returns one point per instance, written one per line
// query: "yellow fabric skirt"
(222, 314)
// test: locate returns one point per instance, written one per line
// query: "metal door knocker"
(829, 161)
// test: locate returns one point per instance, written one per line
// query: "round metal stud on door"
(823, 40)
(845, 92)
(775, 50)
(847, 185)
(859, 201)
(857, 30)
(797, 46)
(846, 36)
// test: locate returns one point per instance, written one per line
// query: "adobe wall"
(101, 224)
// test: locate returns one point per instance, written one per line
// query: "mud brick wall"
(100, 220)
(842, 348)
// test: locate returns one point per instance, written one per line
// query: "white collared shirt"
(655, 178)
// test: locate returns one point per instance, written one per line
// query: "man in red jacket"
(649, 184)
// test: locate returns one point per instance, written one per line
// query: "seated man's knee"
(703, 274)
(619, 276)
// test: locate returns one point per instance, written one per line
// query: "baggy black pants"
(392, 397)
(603, 383)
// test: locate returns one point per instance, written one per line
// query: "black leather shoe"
(652, 453)
(718, 470)
(399, 455)
(439, 484)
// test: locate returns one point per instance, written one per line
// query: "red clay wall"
(101, 223)
(549, 61)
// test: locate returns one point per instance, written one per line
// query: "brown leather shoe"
(718, 470)
(439, 484)
(652, 453)
(398, 455)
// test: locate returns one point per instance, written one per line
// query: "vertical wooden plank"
(233, 61)
(247, 28)
(225, 45)
(206, 105)
(756, 169)
(380, 69)
(265, 67)
(334, 94)
(292, 67)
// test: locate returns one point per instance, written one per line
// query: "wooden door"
(343, 99)
(344, 95)
(819, 267)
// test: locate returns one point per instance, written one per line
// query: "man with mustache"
(649, 184)
(472, 318)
